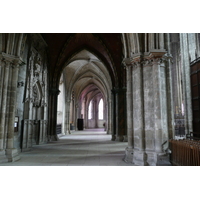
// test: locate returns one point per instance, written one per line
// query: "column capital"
(118, 90)
(154, 57)
(16, 61)
(54, 91)
(155, 54)
(134, 61)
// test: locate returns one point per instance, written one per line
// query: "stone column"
(156, 116)
(120, 114)
(129, 149)
(45, 105)
(2, 78)
(170, 102)
(5, 73)
(109, 118)
(3, 102)
(138, 111)
(186, 82)
(75, 116)
(11, 151)
(113, 114)
(96, 111)
(85, 114)
(53, 96)
(67, 115)
(147, 117)
(105, 116)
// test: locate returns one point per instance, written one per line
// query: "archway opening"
(85, 97)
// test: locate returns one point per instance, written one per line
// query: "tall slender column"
(157, 105)
(119, 117)
(114, 114)
(76, 116)
(170, 104)
(11, 151)
(109, 119)
(52, 136)
(4, 104)
(45, 106)
(129, 149)
(67, 114)
(138, 112)
(85, 114)
(105, 116)
(5, 73)
(157, 133)
(186, 82)
(96, 111)
(2, 79)
(120, 114)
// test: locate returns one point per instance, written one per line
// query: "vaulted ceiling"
(63, 46)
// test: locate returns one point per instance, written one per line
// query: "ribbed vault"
(86, 78)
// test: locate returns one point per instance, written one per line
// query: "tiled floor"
(92, 147)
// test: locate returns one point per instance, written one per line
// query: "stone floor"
(91, 147)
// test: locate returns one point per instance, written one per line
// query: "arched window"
(90, 110)
(101, 109)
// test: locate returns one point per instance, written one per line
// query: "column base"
(67, 133)
(3, 157)
(52, 138)
(109, 132)
(26, 149)
(12, 155)
(163, 160)
(125, 138)
(128, 155)
(139, 158)
(120, 138)
(142, 158)
(113, 138)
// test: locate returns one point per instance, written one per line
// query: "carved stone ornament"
(43, 104)
(36, 100)
(20, 84)
(29, 100)
(136, 64)
(37, 66)
(147, 62)
(168, 57)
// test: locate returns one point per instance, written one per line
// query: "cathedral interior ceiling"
(63, 46)
(86, 74)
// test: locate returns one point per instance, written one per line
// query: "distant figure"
(104, 125)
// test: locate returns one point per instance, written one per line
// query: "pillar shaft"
(52, 136)
(138, 106)
(12, 104)
(129, 107)
(4, 104)
(67, 115)
(109, 118)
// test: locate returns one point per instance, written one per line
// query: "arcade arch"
(84, 79)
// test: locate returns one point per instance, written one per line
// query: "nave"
(91, 147)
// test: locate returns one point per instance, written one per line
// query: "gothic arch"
(82, 70)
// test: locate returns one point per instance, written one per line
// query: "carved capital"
(15, 61)
(136, 64)
(31, 122)
(156, 60)
(168, 57)
(147, 62)
(118, 90)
